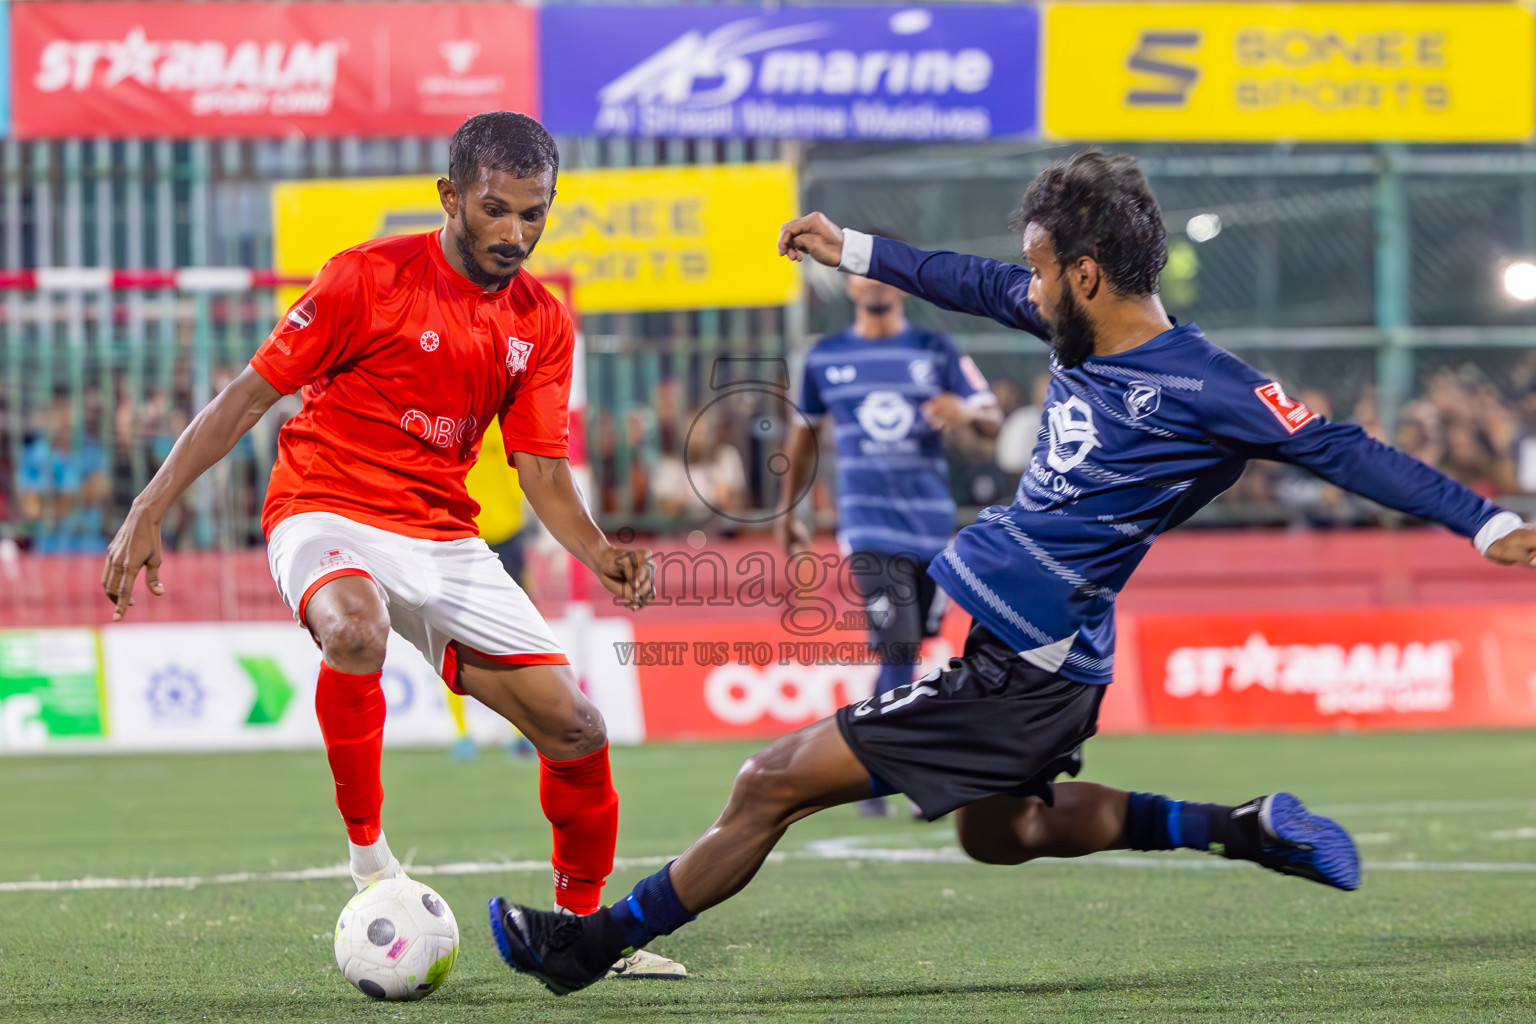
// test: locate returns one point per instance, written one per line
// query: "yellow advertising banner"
(647, 238)
(1308, 72)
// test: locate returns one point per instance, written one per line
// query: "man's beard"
(879, 309)
(1071, 333)
(472, 268)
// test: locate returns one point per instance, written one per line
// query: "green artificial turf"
(825, 933)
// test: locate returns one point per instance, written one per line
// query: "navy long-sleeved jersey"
(1129, 446)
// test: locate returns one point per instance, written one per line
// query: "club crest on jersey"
(1142, 399)
(1293, 415)
(886, 415)
(921, 371)
(430, 341)
(518, 352)
(841, 374)
(1072, 434)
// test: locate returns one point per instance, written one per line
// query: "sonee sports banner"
(260, 69)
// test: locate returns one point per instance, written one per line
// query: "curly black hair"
(501, 140)
(1100, 206)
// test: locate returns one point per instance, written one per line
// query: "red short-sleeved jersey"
(403, 361)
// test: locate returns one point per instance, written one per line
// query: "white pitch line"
(846, 848)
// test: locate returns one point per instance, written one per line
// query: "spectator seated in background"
(62, 486)
(709, 482)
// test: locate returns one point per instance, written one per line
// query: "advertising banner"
(631, 238)
(1306, 72)
(50, 688)
(249, 686)
(259, 69)
(961, 72)
(1375, 668)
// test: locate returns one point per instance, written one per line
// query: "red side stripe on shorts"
(322, 581)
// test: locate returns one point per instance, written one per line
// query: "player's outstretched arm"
(949, 280)
(207, 439)
(552, 493)
(789, 531)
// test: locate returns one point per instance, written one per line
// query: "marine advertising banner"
(633, 238)
(5, 69)
(877, 72)
(260, 69)
(1309, 72)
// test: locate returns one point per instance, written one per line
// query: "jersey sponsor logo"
(438, 431)
(841, 374)
(1293, 415)
(1072, 434)
(430, 341)
(886, 415)
(518, 352)
(921, 371)
(299, 317)
(1142, 398)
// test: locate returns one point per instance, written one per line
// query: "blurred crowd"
(70, 466)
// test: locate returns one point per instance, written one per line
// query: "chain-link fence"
(1366, 279)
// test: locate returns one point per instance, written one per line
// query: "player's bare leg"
(1084, 818)
(1274, 831)
(802, 773)
(575, 783)
(350, 623)
(807, 771)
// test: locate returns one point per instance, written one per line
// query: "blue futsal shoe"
(1290, 840)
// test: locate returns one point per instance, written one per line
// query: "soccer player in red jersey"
(404, 349)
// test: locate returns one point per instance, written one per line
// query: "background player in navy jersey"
(891, 389)
(1146, 421)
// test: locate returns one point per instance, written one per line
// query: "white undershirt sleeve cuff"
(1496, 529)
(858, 250)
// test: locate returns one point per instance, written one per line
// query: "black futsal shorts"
(989, 724)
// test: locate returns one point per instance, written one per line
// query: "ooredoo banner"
(1375, 668)
(867, 72)
(259, 69)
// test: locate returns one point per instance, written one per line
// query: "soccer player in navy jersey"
(1146, 422)
(891, 390)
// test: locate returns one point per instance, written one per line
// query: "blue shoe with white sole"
(1293, 841)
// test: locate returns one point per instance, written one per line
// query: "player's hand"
(812, 235)
(136, 546)
(1517, 548)
(791, 534)
(946, 410)
(626, 572)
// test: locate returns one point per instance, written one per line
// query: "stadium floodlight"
(1519, 280)
(1203, 227)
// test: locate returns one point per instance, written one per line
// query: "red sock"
(351, 713)
(579, 801)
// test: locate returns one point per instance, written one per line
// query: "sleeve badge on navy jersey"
(1293, 415)
(1142, 398)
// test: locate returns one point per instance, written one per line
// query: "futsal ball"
(396, 940)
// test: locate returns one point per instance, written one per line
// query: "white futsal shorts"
(443, 595)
